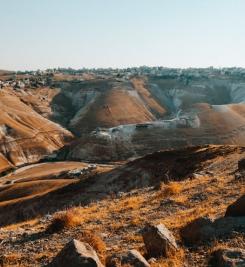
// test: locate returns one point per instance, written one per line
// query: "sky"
(40, 34)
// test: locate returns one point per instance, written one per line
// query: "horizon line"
(123, 67)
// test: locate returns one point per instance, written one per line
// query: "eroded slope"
(25, 136)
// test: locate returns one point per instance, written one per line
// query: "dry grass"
(16, 226)
(116, 226)
(136, 221)
(170, 189)
(65, 219)
(133, 237)
(94, 212)
(183, 217)
(175, 261)
(126, 215)
(95, 241)
(131, 203)
(13, 259)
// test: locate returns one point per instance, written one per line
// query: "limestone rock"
(241, 165)
(230, 257)
(159, 241)
(76, 254)
(198, 230)
(237, 208)
(131, 257)
(204, 229)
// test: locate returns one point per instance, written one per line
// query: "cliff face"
(102, 103)
(25, 136)
(116, 119)
(202, 111)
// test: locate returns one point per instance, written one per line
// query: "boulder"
(201, 229)
(131, 257)
(76, 254)
(241, 165)
(225, 226)
(204, 229)
(229, 257)
(159, 241)
(237, 208)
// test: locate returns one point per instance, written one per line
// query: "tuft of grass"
(170, 189)
(136, 221)
(116, 226)
(175, 261)
(65, 219)
(130, 203)
(133, 238)
(95, 241)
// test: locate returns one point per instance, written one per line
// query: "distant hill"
(6, 72)
(25, 136)
(115, 118)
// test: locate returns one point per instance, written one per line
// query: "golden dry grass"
(95, 241)
(126, 215)
(65, 219)
(175, 261)
(170, 189)
(16, 226)
(136, 221)
(104, 210)
(130, 203)
(13, 259)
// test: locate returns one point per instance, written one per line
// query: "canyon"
(117, 149)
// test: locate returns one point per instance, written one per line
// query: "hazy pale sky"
(39, 34)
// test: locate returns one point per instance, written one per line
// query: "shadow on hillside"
(73, 96)
(144, 172)
(40, 205)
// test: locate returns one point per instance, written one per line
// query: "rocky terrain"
(179, 114)
(134, 167)
(171, 188)
(118, 114)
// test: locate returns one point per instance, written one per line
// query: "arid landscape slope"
(99, 155)
(25, 136)
(115, 118)
(173, 188)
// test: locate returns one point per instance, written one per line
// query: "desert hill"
(99, 155)
(104, 103)
(170, 187)
(201, 124)
(150, 170)
(82, 106)
(127, 118)
(116, 118)
(25, 136)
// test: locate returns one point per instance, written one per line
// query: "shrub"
(65, 219)
(170, 189)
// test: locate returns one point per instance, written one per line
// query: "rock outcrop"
(198, 230)
(159, 241)
(241, 165)
(229, 257)
(237, 208)
(204, 229)
(131, 258)
(76, 254)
